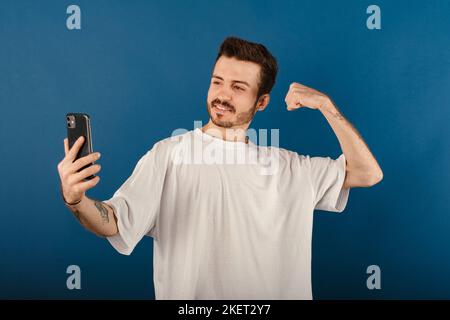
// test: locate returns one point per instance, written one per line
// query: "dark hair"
(240, 49)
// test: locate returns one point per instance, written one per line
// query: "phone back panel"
(78, 124)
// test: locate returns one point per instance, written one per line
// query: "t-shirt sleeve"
(137, 202)
(327, 179)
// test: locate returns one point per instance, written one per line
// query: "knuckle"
(82, 162)
(95, 168)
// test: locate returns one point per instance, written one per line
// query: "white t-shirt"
(222, 229)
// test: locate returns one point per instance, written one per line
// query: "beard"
(239, 119)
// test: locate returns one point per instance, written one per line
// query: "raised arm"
(362, 167)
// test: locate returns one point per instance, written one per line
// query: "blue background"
(141, 69)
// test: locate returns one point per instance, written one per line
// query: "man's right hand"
(72, 184)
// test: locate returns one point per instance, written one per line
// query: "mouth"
(221, 109)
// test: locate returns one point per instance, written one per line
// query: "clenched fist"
(302, 96)
(73, 186)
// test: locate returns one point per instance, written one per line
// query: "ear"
(263, 102)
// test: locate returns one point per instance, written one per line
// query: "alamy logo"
(374, 20)
(74, 20)
(74, 280)
(195, 151)
(374, 280)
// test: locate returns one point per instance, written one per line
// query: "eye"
(239, 88)
(216, 82)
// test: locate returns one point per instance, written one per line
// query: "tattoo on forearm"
(338, 115)
(103, 211)
(76, 213)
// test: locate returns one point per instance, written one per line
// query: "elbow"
(106, 232)
(365, 179)
(374, 178)
(109, 233)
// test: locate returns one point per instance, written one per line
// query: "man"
(225, 230)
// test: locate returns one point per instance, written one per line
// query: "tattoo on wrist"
(338, 115)
(103, 211)
(76, 213)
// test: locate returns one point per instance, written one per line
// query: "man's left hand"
(302, 96)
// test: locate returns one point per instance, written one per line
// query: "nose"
(224, 94)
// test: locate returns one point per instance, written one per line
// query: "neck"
(236, 134)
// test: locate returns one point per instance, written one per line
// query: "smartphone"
(79, 124)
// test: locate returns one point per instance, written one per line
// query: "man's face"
(232, 92)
